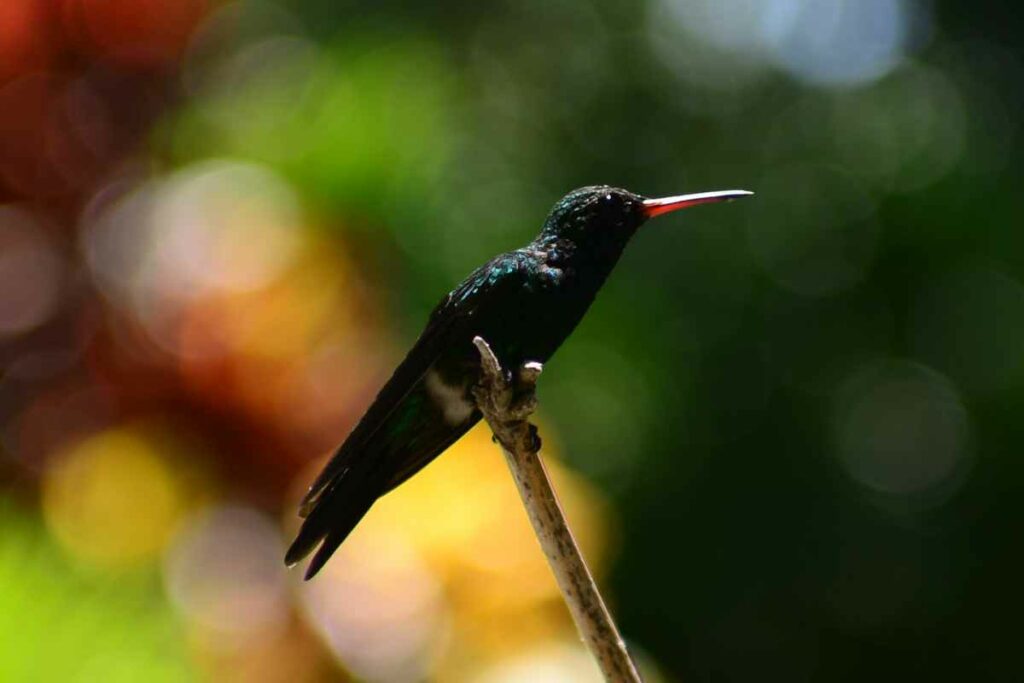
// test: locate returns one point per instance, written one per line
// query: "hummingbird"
(524, 303)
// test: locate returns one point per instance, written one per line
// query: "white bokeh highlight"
(831, 43)
(224, 575)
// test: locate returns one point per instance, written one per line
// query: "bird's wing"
(331, 512)
(447, 318)
(437, 441)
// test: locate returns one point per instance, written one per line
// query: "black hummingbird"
(524, 303)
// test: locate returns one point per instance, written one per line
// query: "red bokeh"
(80, 82)
(26, 37)
(134, 33)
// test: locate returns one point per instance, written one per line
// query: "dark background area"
(789, 425)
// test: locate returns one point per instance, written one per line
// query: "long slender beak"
(656, 207)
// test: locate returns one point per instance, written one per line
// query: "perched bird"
(524, 303)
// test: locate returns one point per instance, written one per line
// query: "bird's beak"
(656, 207)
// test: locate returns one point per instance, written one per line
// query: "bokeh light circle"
(379, 608)
(30, 273)
(902, 430)
(831, 43)
(225, 575)
(214, 228)
(111, 499)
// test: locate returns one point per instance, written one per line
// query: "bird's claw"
(506, 397)
(529, 373)
(524, 401)
(534, 438)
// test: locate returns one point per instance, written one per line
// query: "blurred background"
(789, 429)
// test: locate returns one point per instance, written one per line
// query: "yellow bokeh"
(464, 514)
(463, 518)
(111, 499)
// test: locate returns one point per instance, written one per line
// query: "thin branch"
(506, 404)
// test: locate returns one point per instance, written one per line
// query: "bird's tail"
(334, 514)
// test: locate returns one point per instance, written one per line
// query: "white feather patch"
(451, 399)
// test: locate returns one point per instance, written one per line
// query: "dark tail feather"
(304, 543)
(337, 512)
(328, 547)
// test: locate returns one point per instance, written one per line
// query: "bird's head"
(606, 217)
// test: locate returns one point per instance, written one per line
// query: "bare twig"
(506, 403)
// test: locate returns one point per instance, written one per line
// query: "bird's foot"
(505, 399)
(523, 399)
